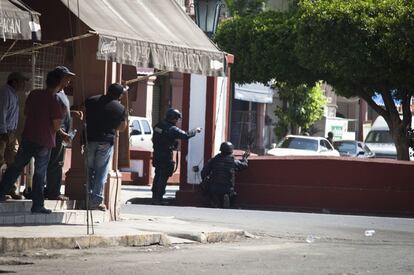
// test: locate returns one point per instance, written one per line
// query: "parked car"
(293, 145)
(379, 140)
(353, 148)
(140, 132)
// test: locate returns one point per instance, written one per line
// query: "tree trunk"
(401, 140)
(398, 127)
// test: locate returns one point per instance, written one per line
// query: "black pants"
(216, 194)
(55, 170)
(163, 170)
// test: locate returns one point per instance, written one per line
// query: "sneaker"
(41, 210)
(226, 201)
(15, 196)
(101, 207)
(4, 198)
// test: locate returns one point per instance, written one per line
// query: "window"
(136, 128)
(299, 143)
(327, 145)
(346, 147)
(376, 136)
(146, 126)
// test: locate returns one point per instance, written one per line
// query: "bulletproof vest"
(223, 170)
(161, 140)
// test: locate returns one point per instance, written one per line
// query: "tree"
(245, 7)
(304, 107)
(363, 47)
(263, 46)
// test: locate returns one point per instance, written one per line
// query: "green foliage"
(263, 46)
(358, 43)
(245, 7)
(305, 107)
(362, 47)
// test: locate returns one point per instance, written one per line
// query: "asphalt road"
(291, 225)
(281, 243)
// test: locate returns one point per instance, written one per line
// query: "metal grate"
(36, 65)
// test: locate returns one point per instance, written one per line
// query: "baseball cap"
(63, 70)
(17, 76)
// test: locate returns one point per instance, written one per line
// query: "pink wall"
(339, 184)
(322, 183)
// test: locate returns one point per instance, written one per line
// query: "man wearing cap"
(57, 156)
(9, 118)
(104, 116)
(43, 119)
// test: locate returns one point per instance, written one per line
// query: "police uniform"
(164, 142)
(221, 170)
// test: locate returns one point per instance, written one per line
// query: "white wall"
(221, 113)
(195, 157)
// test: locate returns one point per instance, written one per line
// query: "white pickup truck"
(140, 132)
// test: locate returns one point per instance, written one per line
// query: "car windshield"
(299, 143)
(345, 147)
(377, 136)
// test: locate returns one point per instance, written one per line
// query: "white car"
(140, 132)
(293, 145)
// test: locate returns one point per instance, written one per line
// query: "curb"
(87, 241)
(212, 237)
(11, 244)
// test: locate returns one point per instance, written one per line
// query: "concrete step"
(56, 217)
(26, 205)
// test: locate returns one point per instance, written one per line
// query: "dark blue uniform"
(221, 170)
(164, 142)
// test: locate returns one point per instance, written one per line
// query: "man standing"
(43, 119)
(9, 118)
(105, 115)
(221, 170)
(57, 156)
(330, 137)
(165, 141)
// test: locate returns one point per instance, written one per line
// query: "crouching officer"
(221, 171)
(164, 142)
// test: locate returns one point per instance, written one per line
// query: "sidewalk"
(131, 230)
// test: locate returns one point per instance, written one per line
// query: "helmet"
(226, 147)
(172, 114)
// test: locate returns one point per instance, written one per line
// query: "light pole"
(207, 13)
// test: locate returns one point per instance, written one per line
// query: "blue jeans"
(99, 157)
(26, 151)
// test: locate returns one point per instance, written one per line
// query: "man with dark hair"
(43, 119)
(57, 156)
(105, 115)
(330, 137)
(221, 171)
(9, 120)
(164, 142)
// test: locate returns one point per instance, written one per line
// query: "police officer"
(221, 170)
(164, 142)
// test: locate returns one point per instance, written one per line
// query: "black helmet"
(226, 147)
(172, 114)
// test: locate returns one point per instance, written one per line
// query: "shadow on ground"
(167, 201)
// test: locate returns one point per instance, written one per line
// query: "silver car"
(353, 148)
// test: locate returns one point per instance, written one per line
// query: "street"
(278, 243)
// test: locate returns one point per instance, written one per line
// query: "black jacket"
(222, 170)
(165, 139)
